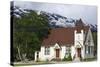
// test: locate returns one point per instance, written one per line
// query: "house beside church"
(76, 41)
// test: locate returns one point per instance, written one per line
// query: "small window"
(89, 49)
(47, 50)
(37, 54)
(78, 37)
(68, 50)
(85, 49)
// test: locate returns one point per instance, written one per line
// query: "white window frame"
(47, 51)
(68, 50)
(86, 49)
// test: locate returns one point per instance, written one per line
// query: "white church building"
(61, 42)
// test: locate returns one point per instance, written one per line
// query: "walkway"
(77, 59)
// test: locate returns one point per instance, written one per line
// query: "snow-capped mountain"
(55, 20)
(58, 20)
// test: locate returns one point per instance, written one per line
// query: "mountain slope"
(55, 20)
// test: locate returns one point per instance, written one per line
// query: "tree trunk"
(19, 53)
(24, 57)
(26, 50)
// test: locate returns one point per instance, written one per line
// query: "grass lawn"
(39, 63)
(32, 63)
(16, 64)
(89, 59)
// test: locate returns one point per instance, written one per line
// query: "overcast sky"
(87, 13)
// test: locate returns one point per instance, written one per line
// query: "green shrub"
(69, 58)
(47, 60)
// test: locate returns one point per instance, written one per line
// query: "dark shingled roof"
(62, 36)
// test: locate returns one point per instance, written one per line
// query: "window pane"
(85, 49)
(88, 49)
(47, 50)
(67, 50)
